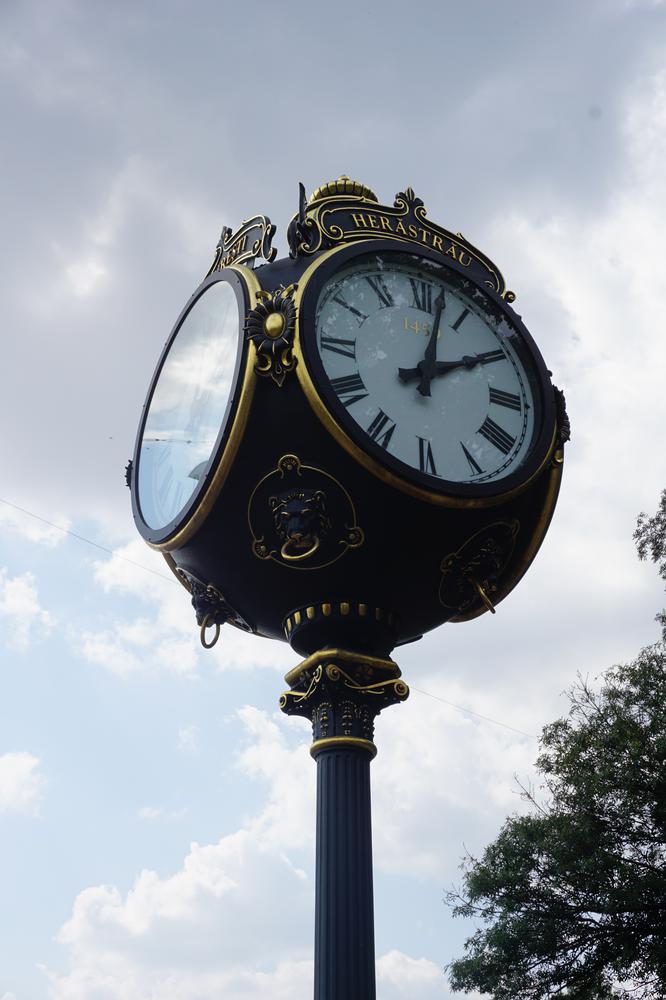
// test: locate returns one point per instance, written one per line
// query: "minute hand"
(427, 367)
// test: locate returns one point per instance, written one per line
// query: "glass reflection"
(188, 406)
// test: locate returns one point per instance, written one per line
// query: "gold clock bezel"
(235, 432)
(371, 464)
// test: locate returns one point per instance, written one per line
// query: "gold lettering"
(437, 243)
(412, 232)
(386, 223)
(235, 252)
(418, 328)
(372, 221)
(359, 220)
(399, 228)
(451, 252)
(424, 235)
(467, 262)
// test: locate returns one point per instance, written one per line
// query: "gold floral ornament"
(270, 326)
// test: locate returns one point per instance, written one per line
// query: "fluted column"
(342, 693)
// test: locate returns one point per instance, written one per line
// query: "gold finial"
(343, 185)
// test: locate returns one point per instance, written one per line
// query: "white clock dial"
(424, 370)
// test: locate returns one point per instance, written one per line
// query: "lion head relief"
(300, 521)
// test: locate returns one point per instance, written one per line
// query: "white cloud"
(85, 259)
(233, 909)
(188, 739)
(21, 783)
(165, 636)
(276, 753)
(32, 528)
(84, 275)
(158, 813)
(399, 976)
(232, 920)
(24, 618)
(440, 779)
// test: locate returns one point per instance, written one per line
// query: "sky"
(156, 809)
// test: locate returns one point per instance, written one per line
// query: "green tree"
(571, 898)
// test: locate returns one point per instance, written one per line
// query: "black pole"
(344, 919)
(341, 693)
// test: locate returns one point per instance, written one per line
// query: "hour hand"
(441, 367)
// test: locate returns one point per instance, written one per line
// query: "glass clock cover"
(426, 371)
(187, 408)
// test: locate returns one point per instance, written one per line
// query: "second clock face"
(186, 413)
(427, 369)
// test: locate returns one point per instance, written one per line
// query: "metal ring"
(482, 594)
(204, 625)
(284, 551)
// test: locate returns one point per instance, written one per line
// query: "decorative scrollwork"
(341, 693)
(212, 610)
(253, 239)
(270, 326)
(345, 211)
(563, 423)
(471, 574)
(302, 517)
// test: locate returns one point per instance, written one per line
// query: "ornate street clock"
(344, 449)
(354, 444)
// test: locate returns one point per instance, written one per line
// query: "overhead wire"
(171, 579)
(89, 541)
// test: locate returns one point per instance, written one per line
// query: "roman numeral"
(352, 309)
(508, 399)
(456, 326)
(376, 282)
(497, 435)
(378, 433)
(347, 348)
(346, 386)
(486, 357)
(474, 466)
(426, 460)
(422, 295)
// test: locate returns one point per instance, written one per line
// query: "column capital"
(341, 693)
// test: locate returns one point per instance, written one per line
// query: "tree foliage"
(571, 898)
(650, 538)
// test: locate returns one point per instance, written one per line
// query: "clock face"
(423, 369)
(188, 408)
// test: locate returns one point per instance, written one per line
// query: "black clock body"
(307, 532)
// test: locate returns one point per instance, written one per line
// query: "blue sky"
(156, 810)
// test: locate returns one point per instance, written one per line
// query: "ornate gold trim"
(367, 461)
(475, 564)
(343, 741)
(353, 535)
(177, 572)
(538, 535)
(328, 218)
(343, 185)
(232, 247)
(234, 439)
(326, 608)
(270, 326)
(323, 656)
